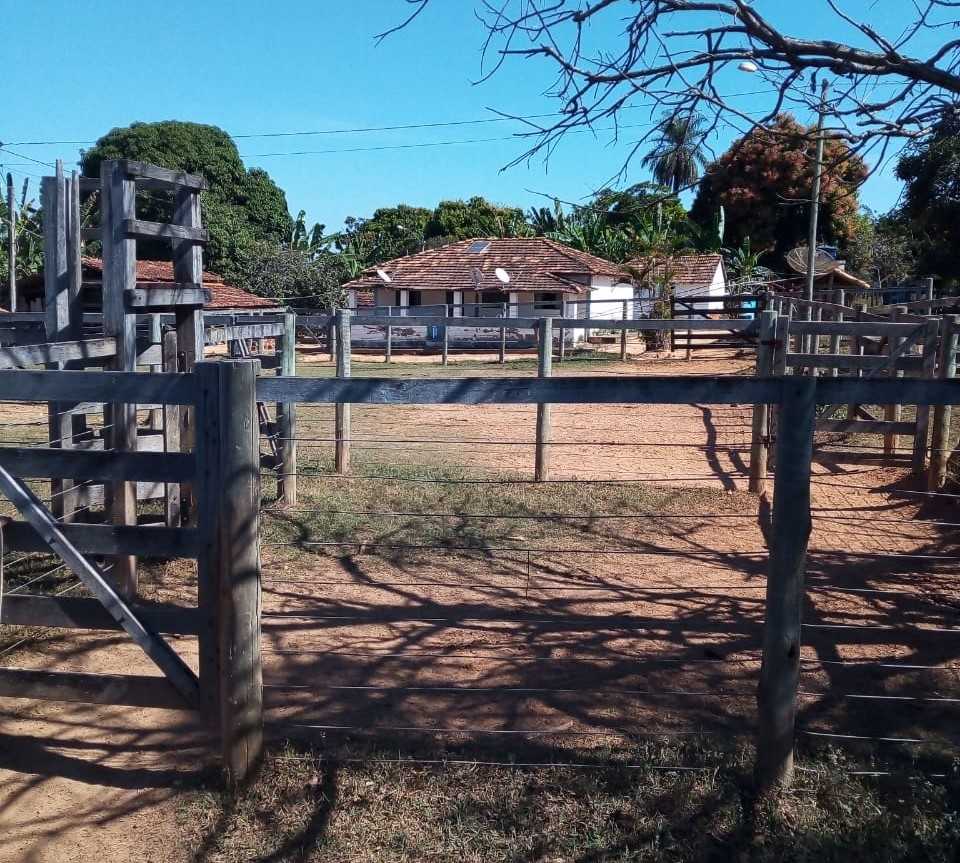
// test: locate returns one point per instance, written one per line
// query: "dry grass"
(303, 807)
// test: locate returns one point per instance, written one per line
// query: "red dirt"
(580, 637)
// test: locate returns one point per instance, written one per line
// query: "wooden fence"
(820, 338)
(796, 399)
(718, 310)
(223, 471)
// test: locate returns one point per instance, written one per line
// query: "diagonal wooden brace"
(166, 659)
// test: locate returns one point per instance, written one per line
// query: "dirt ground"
(554, 639)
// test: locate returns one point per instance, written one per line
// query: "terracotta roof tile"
(685, 270)
(222, 295)
(533, 264)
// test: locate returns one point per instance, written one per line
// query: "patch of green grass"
(366, 366)
(364, 806)
(498, 510)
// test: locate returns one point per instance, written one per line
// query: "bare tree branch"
(677, 55)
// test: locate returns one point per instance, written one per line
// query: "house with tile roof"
(694, 275)
(490, 277)
(224, 297)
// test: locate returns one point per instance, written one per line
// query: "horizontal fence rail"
(600, 390)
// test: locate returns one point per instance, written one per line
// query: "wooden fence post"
(446, 345)
(287, 414)
(931, 334)
(893, 412)
(760, 434)
(946, 369)
(117, 197)
(11, 244)
(388, 339)
(623, 335)
(838, 297)
(342, 411)
(228, 457)
(503, 337)
(171, 428)
(856, 349)
(544, 370)
(780, 668)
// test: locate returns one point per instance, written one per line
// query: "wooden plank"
(97, 466)
(220, 334)
(143, 229)
(851, 361)
(21, 356)
(739, 325)
(107, 539)
(150, 389)
(149, 297)
(541, 471)
(128, 690)
(597, 390)
(175, 669)
(169, 178)
(851, 328)
(780, 669)
(83, 613)
(865, 426)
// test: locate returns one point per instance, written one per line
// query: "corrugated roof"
(533, 264)
(222, 295)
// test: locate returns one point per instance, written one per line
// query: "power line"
(28, 158)
(393, 128)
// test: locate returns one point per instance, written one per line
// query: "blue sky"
(252, 67)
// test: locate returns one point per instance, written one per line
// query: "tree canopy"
(763, 182)
(242, 207)
(931, 170)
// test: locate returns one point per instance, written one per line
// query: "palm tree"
(678, 156)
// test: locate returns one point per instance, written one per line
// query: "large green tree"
(931, 205)
(476, 217)
(242, 207)
(763, 182)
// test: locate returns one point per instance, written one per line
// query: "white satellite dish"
(384, 276)
(502, 275)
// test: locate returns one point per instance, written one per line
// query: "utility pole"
(11, 243)
(815, 194)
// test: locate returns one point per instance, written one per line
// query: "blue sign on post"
(434, 332)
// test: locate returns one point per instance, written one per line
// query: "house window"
(449, 300)
(398, 298)
(491, 303)
(416, 298)
(547, 301)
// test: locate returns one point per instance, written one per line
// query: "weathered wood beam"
(84, 613)
(142, 229)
